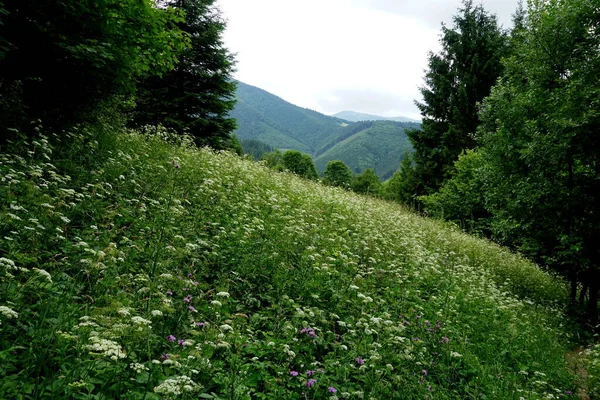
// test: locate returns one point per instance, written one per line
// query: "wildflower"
(188, 298)
(310, 383)
(309, 331)
(156, 313)
(226, 327)
(181, 342)
(223, 294)
(192, 309)
(294, 373)
(216, 303)
(359, 361)
(8, 312)
(424, 372)
(171, 338)
(169, 293)
(331, 389)
(444, 340)
(310, 373)
(200, 324)
(165, 356)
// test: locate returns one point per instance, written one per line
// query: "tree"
(300, 164)
(60, 59)
(367, 183)
(539, 142)
(459, 77)
(197, 96)
(337, 174)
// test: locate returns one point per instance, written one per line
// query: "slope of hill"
(134, 268)
(380, 145)
(265, 117)
(357, 117)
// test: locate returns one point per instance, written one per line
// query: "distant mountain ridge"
(354, 116)
(264, 117)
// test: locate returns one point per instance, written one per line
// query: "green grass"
(115, 250)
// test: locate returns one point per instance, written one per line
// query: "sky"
(333, 55)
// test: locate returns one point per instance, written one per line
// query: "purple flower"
(359, 361)
(424, 372)
(310, 373)
(169, 293)
(191, 308)
(294, 373)
(200, 324)
(310, 383)
(171, 338)
(309, 331)
(427, 323)
(190, 275)
(181, 342)
(444, 340)
(165, 356)
(332, 389)
(188, 298)
(196, 283)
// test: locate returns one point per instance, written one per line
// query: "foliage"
(540, 143)
(404, 184)
(197, 96)
(135, 268)
(63, 58)
(300, 164)
(462, 198)
(337, 174)
(367, 183)
(457, 79)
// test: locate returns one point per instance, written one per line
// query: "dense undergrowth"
(135, 268)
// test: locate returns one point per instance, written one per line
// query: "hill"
(263, 116)
(277, 123)
(380, 145)
(132, 267)
(357, 117)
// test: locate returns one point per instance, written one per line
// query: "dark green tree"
(458, 78)
(540, 144)
(367, 183)
(300, 164)
(61, 59)
(197, 96)
(337, 174)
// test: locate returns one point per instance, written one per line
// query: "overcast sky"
(334, 55)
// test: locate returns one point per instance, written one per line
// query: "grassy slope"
(282, 275)
(380, 146)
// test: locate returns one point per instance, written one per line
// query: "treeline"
(135, 62)
(509, 146)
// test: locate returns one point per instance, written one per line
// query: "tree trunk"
(594, 287)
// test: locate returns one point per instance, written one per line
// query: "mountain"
(264, 117)
(380, 145)
(357, 117)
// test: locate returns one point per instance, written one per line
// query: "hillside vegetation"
(134, 267)
(357, 117)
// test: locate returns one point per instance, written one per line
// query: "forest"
(147, 252)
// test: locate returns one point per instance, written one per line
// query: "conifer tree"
(197, 96)
(458, 78)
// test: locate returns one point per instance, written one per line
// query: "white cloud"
(330, 55)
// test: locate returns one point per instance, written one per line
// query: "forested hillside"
(267, 118)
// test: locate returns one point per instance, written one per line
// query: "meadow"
(135, 266)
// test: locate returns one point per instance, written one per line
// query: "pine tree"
(459, 77)
(197, 96)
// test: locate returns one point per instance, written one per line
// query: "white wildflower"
(44, 274)
(105, 347)
(9, 313)
(140, 321)
(223, 294)
(177, 385)
(156, 313)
